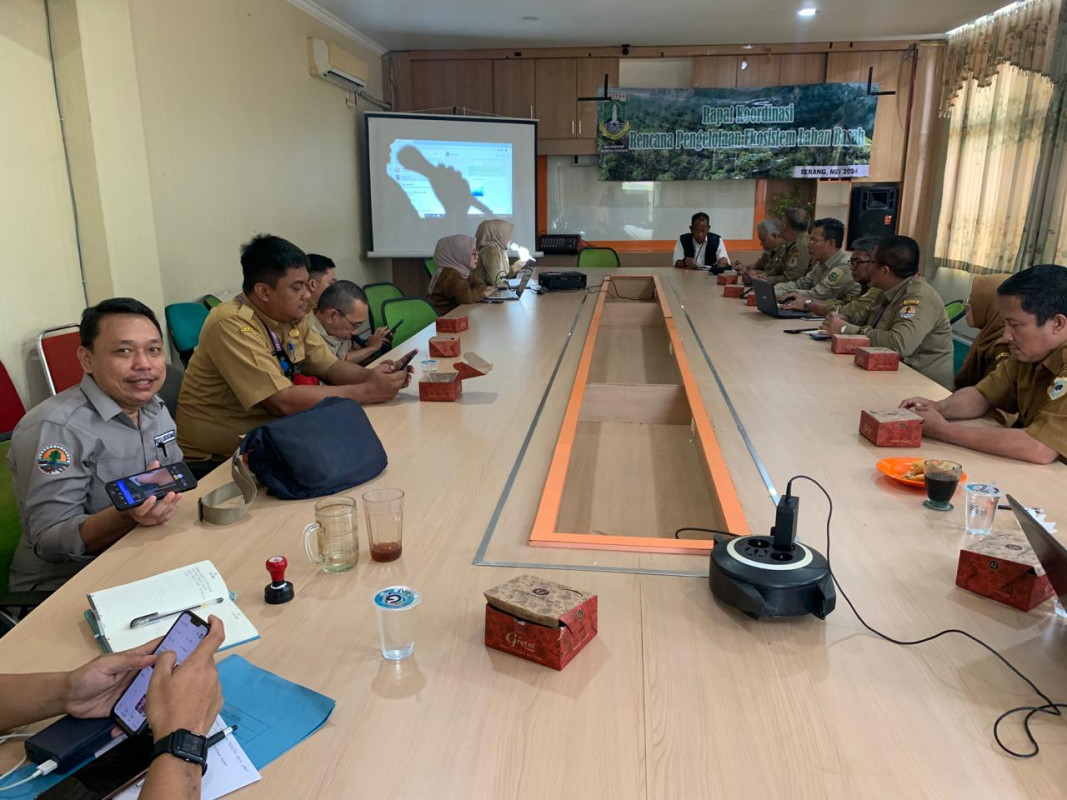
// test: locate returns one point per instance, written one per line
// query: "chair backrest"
(598, 257)
(171, 388)
(210, 301)
(58, 351)
(10, 531)
(956, 310)
(11, 408)
(431, 265)
(378, 293)
(415, 312)
(184, 321)
(959, 353)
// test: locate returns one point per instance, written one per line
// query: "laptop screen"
(1048, 549)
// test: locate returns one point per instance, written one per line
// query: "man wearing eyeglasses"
(854, 310)
(341, 311)
(829, 278)
(910, 315)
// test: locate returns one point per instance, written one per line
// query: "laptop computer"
(502, 295)
(768, 303)
(1048, 549)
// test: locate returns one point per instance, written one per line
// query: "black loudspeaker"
(873, 209)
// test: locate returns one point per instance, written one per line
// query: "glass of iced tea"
(384, 509)
(941, 478)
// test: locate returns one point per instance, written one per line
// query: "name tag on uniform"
(165, 438)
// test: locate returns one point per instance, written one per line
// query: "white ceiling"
(446, 24)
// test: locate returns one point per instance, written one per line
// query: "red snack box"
(452, 324)
(539, 620)
(1003, 566)
(444, 346)
(727, 279)
(734, 290)
(877, 359)
(841, 343)
(896, 428)
(445, 387)
(751, 299)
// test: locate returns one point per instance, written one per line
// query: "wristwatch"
(183, 744)
(807, 303)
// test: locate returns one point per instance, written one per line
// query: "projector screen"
(433, 176)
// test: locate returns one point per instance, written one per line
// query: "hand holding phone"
(393, 328)
(182, 639)
(404, 360)
(133, 490)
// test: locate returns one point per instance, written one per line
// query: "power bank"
(68, 741)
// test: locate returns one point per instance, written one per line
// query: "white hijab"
(453, 252)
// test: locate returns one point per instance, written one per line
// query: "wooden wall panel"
(556, 88)
(591, 73)
(443, 84)
(803, 69)
(513, 88)
(715, 72)
(761, 70)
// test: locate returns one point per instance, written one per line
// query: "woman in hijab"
(989, 347)
(456, 281)
(493, 237)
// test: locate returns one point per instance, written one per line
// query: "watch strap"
(171, 745)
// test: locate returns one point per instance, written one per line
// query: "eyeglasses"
(858, 261)
(355, 325)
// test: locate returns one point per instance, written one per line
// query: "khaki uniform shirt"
(769, 262)
(910, 318)
(339, 347)
(233, 370)
(1037, 393)
(450, 289)
(855, 310)
(794, 262)
(829, 280)
(63, 453)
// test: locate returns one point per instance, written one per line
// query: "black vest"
(711, 245)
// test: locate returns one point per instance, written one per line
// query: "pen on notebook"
(218, 737)
(156, 616)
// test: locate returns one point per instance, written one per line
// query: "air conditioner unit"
(335, 65)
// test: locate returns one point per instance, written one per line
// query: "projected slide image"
(454, 180)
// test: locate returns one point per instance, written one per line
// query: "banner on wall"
(817, 131)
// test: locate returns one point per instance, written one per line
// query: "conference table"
(679, 695)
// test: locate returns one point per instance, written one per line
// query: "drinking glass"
(981, 508)
(336, 535)
(941, 478)
(384, 509)
(395, 607)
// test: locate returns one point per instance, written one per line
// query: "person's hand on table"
(188, 697)
(722, 262)
(488, 290)
(918, 404)
(386, 380)
(691, 263)
(91, 690)
(155, 510)
(934, 424)
(739, 267)
(833, 323)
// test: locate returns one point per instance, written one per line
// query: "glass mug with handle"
(336, 534)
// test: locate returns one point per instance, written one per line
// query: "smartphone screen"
(182, 638)
(134, 490)
(107, 773)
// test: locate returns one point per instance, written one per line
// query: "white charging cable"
(44, 769)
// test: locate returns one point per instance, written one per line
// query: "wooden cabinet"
(463, 83)
(591, 72)
(715, 72)
(758, 70)
(514, 94)
(556, 92)
(559, 84)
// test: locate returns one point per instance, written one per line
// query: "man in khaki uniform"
(854, 310)
(252, 348)
(1031, 383)
(769, 233)
(909, 317)
(795, 258)
(341, 311)
(830, 278)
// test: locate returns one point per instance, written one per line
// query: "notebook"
(111, 610)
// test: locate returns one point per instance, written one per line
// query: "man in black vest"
(700, 248)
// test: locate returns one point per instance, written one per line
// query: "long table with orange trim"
(678, 696)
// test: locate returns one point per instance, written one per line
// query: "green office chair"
(956, 310)
(415, 313)
(431, 266)
(11, 603)
(598, 257)
(184, 321)
(378, 293)
(210, 301)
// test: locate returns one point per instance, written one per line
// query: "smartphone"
(820, 336)
(131, 491)
(799, 330)
(182, 638)
(405, 360)
(393, 328)
(107, 774)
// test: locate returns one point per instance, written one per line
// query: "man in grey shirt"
(66, 449)
(340, 312)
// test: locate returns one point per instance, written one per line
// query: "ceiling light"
(747, 47)
(807, 13)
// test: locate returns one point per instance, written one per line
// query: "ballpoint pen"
(156, 616)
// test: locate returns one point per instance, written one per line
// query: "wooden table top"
(679, 696)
